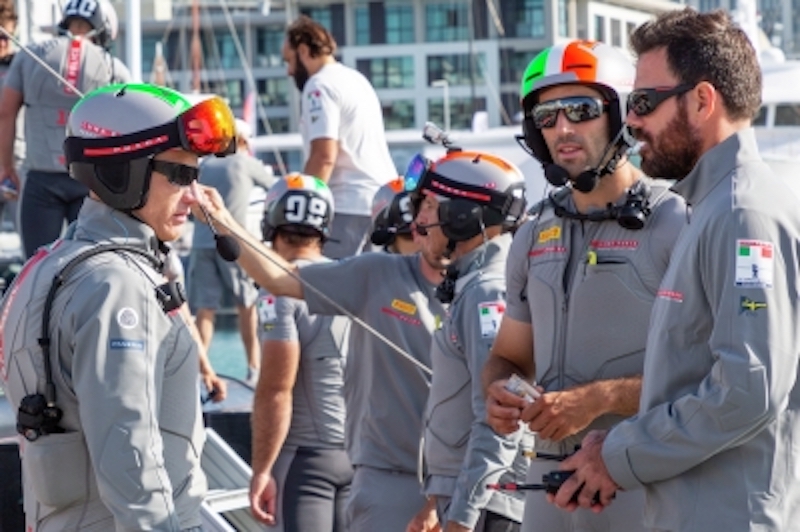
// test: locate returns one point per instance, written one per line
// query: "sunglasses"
(178, 174)
(642, 102)
(204, 129)
(577, 109)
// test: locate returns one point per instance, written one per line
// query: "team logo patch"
(552, 233)
(755, 264)
(123, 343)
(404, 307)
(127, 318)
(490, 315)
(266, 309)
(747, 305)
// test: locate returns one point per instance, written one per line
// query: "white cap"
(243, 130)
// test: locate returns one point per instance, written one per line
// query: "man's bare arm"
(10, 104)
(322, 158)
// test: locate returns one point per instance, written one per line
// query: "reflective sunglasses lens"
(545, 114)
(639, 102)
(577, 109)
(208, 127)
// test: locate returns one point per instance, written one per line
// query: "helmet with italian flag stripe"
(599, 65)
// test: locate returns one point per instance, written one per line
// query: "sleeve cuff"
(615, 456)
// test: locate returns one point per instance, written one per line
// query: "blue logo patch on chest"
(123, 343)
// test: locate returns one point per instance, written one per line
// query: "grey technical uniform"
(311, 497)
(48, 101)
(462, 452)
(234, 178)
(587, 289)
(384, 393)
(716, 441)
(19, 140)
(126, 378)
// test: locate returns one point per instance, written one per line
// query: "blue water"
(227, 351)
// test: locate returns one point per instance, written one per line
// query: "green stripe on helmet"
(171, 97)
(535, 71)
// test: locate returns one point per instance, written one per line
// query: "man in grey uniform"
(715, 440)
(301, 472)
(50, 197)
(9, 193)
(582, 274)
(385, 392)
(468, 202)
(96, 356)
(210, 276)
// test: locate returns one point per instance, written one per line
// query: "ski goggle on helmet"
(604, 68)
(206, 128)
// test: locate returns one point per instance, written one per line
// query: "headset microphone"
(227, 246)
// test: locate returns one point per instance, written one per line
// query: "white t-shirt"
(339, 103)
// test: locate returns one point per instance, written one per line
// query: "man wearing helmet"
(301, 472)
(391, 219)
(95, 353)
(385, 385)
(467, 203)
(79, 55)
(582, 274)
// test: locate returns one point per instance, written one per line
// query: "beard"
(677, 150)
(300, 74)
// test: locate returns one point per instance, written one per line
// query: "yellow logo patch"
(404, 307)
(552, 233)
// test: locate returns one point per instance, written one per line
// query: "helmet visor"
(208, 128)
(415, 172)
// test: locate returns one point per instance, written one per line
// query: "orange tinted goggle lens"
(208, 127)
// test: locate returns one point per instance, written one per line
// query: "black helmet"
(392, 213)
(300, 203)
(100, 14)
(114, 131)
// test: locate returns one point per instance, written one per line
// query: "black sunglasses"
(576, 108)
(644, 101)
(177, 173)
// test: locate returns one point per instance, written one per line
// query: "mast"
(133, 38)
(196, 48)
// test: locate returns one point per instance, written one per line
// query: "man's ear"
(707, 100)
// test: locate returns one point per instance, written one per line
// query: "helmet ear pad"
(461, 219)
(122, 186)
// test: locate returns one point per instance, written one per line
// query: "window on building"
(230, 89)
(278, 124)
(512, 106)
(787, 114)
(169, 49)
(461, 110)
(523, 18)
(398, 114)
(269, 42)
(388, 72)
(446, 21)
(631, 27)
(384, 23)
(761, 118)
(563, 19)
(222, 52)
(455, 68)
(616, 32)
(599, 28)
(273, 91)
(330, 16)
(513, 63)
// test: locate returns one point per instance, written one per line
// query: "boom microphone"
(227, 246)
